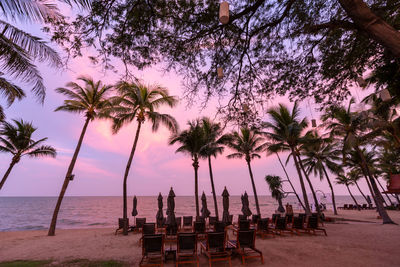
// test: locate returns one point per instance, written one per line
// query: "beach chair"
(219, 227)
(148, 229)
(274, 217)
(312, 226)
(254, 219)
(215, 248)
(211, 222)
(186, 249)
(152, 250)
(139, 224)
(242, 217)
(364, 207)
(121, 223)
(289, 218)
(351, 207)
(178, 221)
(298, 225)
(245, 245)
(200, 229)
(230, 220)
(200, 219)
(281, 226)
(187, 222)
(303, 216)
(170, 233)
(346, 206)
(263, 228)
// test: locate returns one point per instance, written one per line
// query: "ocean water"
(34, 213)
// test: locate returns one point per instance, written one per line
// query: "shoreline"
(349, 244)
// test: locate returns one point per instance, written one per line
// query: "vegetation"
(275, 186)
(17, 140)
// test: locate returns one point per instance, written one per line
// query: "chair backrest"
(351, 206)
(364, 206)
(303, 216)
(187, 220)
(216, 241)
(262, 224)
(178, 221)
(230, 219)
(153, 244)
(242, 217)
(187, 242)
(275, 216)
(212, 220)
(246, 239)
(200, 219)
(255, 218)
(149, 229)
(280, 223)
(140, 222)
(121, 222)
(172, 229)
(219, 227)
(161, 223)
(244, 225)
(298, 222)
(312, 222)
(289, 218)
(199, 227)
(345, 206)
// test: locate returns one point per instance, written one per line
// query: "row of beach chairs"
(354, 207)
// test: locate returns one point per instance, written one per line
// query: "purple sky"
(103, 156)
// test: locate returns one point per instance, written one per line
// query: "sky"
(101, 162)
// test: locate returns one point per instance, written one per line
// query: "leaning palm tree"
(355, 175)
(137, 101)
(17, 140)
(318, 155)
(93, 100)
(285, 134)
(192, 142)
(350, 127)
(215, 141)
(247, 144)
(343, 179)
(275, 186)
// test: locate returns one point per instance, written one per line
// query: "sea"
(34, 213)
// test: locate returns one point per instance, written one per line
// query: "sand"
(347, 244)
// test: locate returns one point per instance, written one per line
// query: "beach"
(349, 243)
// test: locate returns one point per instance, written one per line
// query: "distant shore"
(348, 243)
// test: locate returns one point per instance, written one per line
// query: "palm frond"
(30, 10)
(42, 151)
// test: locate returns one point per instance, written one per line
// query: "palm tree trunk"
(13, 162)
(213, 188)
(128, 166)
(68, 176)
(290, 182)
(311, 186)
(333, 193)
(280, 208)
(303, 188)
(383, 190)
(378, 197)
(196, 184)
(359, 189)
(355, 201)
(254, 188)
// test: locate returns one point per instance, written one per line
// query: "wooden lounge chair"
(170, 233)
(121, 225)
(200, 229)
(263, 228)
(186, 249)
(245, 245)
(211, 222)
(148, 229)
(152, 250)
(242, 217)
(312, 226)
(219, 227)
(178, 221)
(139, 224)
(289, 218)
(274, 217)
(281, 226)
(187, 222)
(298, 224)
(254, 219)
(230, 220)
(364, 207)
(215, 248)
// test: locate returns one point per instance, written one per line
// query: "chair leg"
(262, 259)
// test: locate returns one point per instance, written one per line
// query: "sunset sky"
(103, 156)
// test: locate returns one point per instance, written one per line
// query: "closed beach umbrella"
(171, 208)
(245, 205)
(134, 210)
(205, 213)
(160, 215)
(225, 204)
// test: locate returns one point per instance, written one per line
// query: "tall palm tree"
(275, 186)
(285, 133)
(343, 179)
(215, 141)
(17, 140)
(247, 143)
(355, 175)
(350, 127)
(19, 49)
(93, 100)
(137, 101)
(319, 154)
(192, 142)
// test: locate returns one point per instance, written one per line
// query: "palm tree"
(17, 140)
(275, 186)
(192, 141)
(350, 127)
(19, 49)
(140, 102)
(247, 143)
(91, 99)
(355, 175)
(319, 154)
(285, 134)
(215, 141)
(342, 179)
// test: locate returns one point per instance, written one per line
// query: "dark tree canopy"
(312, 48)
